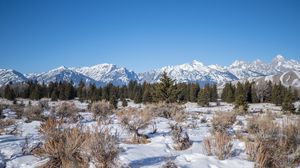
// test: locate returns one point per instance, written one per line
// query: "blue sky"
(39, 35)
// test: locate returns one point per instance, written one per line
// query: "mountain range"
(195, 71)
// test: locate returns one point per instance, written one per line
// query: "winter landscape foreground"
(17, 141)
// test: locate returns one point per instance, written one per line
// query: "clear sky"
(39, 35)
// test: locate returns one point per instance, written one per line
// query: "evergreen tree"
(124, 102)
(277, 94)
(267, 92)
(241, 105)
(9, 93)
(203, 97)
(193, 90)
(254, 98)
(213, 93)
(165, 89)
(80, 90)
(147, 97)
(248, 91)
(287, 105)
(138, 98)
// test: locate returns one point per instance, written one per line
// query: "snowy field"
(153, 154)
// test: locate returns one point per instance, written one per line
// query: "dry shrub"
(2, 107)
(104, 149)
(8, 126)
(180, 137)
(18, 109)
(44, 104)
(135, 119)
(222, 121)
(63, 147)
(168, 110)
(275, 145)
(33, 113)
(223, 145)
(169, 164)
(101, 109)
(220, 144)
(67, 111)
(207, 146)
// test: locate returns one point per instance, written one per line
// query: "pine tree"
(138, 98)
(9, 93)
(267, 92)
(240, 91)
(203, 97)
(124, 102)
(241, 105)
(213, 93)
(254, 98)
(165, 89)
(193, 92)
(287, 105)
(248, 91)
(147, 97)
(80, 90)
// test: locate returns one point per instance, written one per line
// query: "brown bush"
(207, 142)
(67, 111)
(33, 113)
(104, 149)
(169, 164)
(8, 126)
(170, 111)
(275, 145)
(223, 145)
(101, 109)
(18, 109)
(135, 119)
(63, 147)
(180, 137)
(222, 121)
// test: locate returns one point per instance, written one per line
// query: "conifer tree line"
(165, 90)
(243, 93)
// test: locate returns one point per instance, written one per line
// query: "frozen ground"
(153, 154)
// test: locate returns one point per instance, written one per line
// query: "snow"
(153, 154)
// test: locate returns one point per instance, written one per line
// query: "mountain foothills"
(280, 69)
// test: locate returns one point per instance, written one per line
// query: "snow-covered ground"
(153, 154)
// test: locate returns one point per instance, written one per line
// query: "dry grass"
(33, 113)
(18, 109)
(67, 111)
(103, 148)
(207, 146)
(101, 109)
(170, 111)
(223, 145)
(221, 121)
(274, 145)
(169, 164)
(135, 119)
(8, 126)
(63, 147)
(180, 137)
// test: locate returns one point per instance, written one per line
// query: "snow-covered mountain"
(9, 75)
(108, 73)
(61, 74)
(288, 78)
(190, 72)
(195, 71)
(257, 68)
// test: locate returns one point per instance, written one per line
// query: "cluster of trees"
(166, 90)
(243, 93)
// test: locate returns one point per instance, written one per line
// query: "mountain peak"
(278, 58)
(195, 62)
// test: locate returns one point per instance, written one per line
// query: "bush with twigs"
(169, 164)
(67, 111)
(274, 145)
(135, 119)
(103, 147)
(62, 146)
(220, 144)
(101, 109)
(8, 126)
(180, 137)
(168, 110)
(222, 121)
(33, 112)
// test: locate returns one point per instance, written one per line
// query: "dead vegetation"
(272, 144)
(67, 111)
(180, 137)
(134, 120)
(73, 147)
(170, 111)
(33, 112)
(221, 121)
(101, 110)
